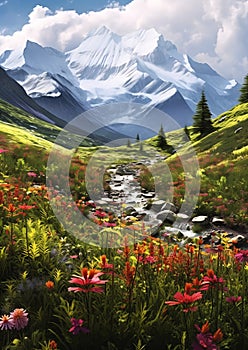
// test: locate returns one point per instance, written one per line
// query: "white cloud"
(208, 30)
(3, 3)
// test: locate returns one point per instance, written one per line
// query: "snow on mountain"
(140, 67)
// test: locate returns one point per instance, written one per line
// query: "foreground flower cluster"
(18, 319)
(146, 294)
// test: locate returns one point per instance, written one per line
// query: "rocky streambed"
(126, 198)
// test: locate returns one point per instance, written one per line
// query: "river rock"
(218, 221)
(166, 215)
(169, 206)
(182, 217)
(128, 210)
(202, 219)
(148, 195)
(157, 205)
(240, 239)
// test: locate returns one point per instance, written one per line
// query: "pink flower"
(212, 281)
(87, 281)
(32, 174)
(242, 256)
(20, 318)
(3, 151)
(233, 299)
(205, 339)
(100, 213)
(109, 224)
(6, 322)
(77, 326)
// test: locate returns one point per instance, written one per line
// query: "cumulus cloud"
(210, 31)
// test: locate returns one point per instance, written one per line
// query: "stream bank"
(126, 198)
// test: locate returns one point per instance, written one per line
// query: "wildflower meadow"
(58, 292)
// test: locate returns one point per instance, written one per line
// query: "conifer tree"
(244, 91)
(162, 143)
(202, 117)
(186, 131)
(137, 138)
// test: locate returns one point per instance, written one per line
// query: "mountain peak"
(141, 67)
(103, 30)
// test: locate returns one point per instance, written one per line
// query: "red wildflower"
(26, 207)
(11, 208)
(88, 279)
(104, 263)
(185, 299)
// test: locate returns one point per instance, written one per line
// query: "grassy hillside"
(223, 161)
(222, 156)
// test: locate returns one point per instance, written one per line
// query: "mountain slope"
(223, 162)
(141, 67)
(12, 92)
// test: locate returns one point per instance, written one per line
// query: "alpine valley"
(141, 67)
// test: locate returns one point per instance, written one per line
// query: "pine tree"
(244, 91)
(202, 117)
(137, 138)
(162, 143)
(186, 131)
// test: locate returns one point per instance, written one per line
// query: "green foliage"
(131, 312)
(202, 117)
(244, 91)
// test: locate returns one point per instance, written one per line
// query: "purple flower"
(77, 326)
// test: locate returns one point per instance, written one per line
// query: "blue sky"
(14, 13)
(211, 31)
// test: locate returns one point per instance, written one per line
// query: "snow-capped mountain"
(141, 67)
(12, 92)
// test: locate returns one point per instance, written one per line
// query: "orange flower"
(205, 328)
(218, 336)
(188, 287)
(53, 345)
(50, 284)
(129, 273)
